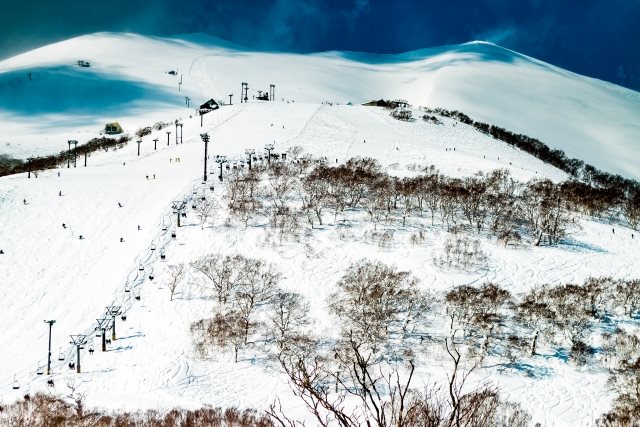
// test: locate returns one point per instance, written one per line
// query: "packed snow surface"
(45, 98)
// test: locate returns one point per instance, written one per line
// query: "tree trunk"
(534, 343)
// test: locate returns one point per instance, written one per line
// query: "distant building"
(388, 104)
(208, 106)
(113, 128)
(379, 103)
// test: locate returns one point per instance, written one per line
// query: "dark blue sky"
(598, 38)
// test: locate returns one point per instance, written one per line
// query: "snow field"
(48, 273)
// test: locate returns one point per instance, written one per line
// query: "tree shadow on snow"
(573, 245)
(531, 371)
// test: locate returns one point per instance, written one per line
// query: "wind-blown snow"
(590, 119)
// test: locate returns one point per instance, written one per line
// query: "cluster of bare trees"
(622, 354)
(44, 410)
(565, 315)
(248, 300)
(364, 376)
(494, 202)
(462, 253)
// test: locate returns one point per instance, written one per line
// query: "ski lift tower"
(220, 160)
(242, 97)
(244, 92)
(205, 139)
(250, 152)
(71, 141)
(50, 322)
(79, 341)
(113, 311)
(178, 207)
(269, 148)
(103, 325)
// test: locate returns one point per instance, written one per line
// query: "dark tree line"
(45, 410)
(53, 161)
(615, 188)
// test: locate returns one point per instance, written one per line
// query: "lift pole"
(103, 325)
(250, 152)
(205, 138)
(269, 148)
(221, 160)
(113, 311)
(50, 322)
(79, 341)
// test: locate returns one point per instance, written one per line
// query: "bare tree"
(257, 287)
(176, 274)
(374, 300)
(545, 211)
(294, 152)
(288, 315)
(627, 296)
(222, 273)
(205, 211)
(534, 312)
(314, 192)
(225, 329)
(281, 181)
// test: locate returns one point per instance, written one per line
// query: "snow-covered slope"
(591, 120)
(47, 272)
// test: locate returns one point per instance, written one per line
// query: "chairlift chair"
(153, 247)
(162, 254)
(61, 356)
(39, 371)
(123, 317)
(16, 385)
(141, 268)
(173, 234)
(126, 289)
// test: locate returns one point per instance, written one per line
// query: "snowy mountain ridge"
(591, 120)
